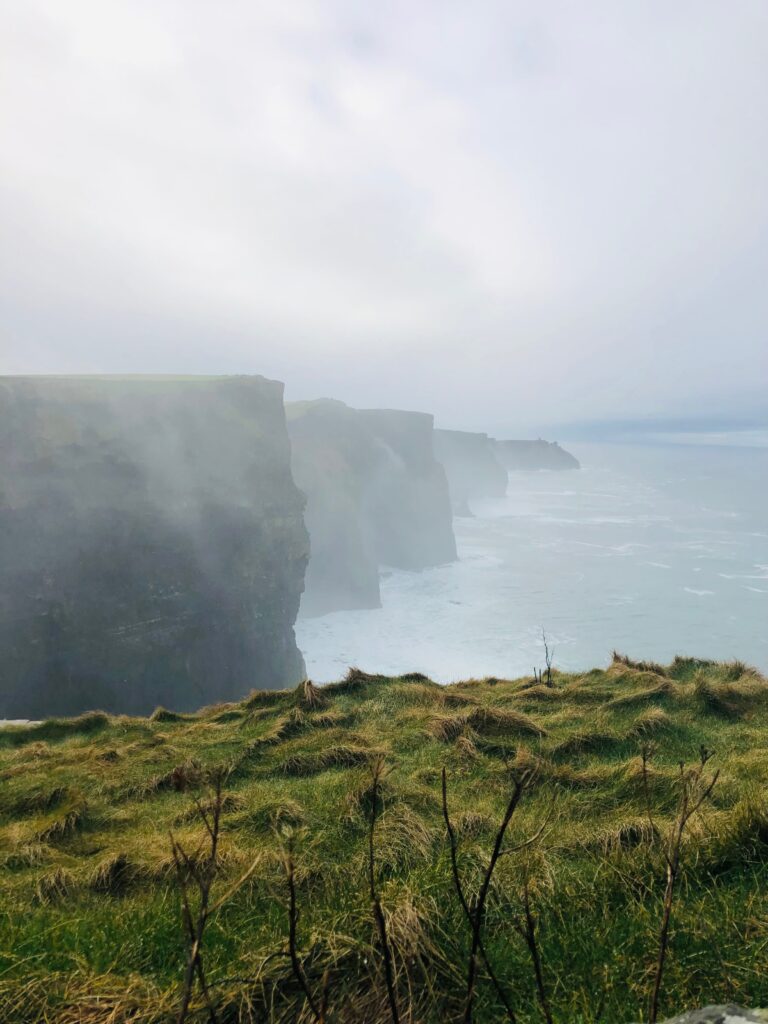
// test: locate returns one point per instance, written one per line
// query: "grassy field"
(90, 907)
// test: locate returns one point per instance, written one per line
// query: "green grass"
(89, 911)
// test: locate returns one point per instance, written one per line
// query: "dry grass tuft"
(659, 691)
(585, 743)
(498, 721)
(740, 836)
(471, 824)
(447, 728)
(539, 692)
(330, 720)
(404, 838)
(639, 666)
(466, 747)
(457, 699)
(309, 695)
(55, 886)
(161, 714)
(258, 699)
(408, 920)
(728, 700)
(332, 757)
(38, 801)
(354, 680)
(27, 855)
(274, 814)
(64, 824)
(184, 777)
(484, 721)
(110, 756)
(114, 875)
(623, 836)
(230, 803)
(650, 722)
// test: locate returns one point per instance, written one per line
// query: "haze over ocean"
(654, 550)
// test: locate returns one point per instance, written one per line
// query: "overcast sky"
(511, 214)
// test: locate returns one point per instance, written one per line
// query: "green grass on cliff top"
(90, 916)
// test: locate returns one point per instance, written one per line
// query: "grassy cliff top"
(90, 909)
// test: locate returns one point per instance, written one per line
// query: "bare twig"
(694, 790)
(377, 770)
(293, 920)
(465, 905)
(527, 930)
(203, 875)
(478, 912)
(548, 656)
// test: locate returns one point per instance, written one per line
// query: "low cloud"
(508, 216)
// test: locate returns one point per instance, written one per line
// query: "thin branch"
(548, 656)
(528, 932)
(376, 772)
(479, 910)
(204, 876)
(535, 837)
(465, 905)
(293, 920)
(692, 797)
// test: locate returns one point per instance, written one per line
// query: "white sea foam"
(574, 561)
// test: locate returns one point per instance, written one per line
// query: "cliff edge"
(376, 496)
(527, 455)
(472, 467)
(152, 547)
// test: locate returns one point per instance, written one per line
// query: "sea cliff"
(472, 467)
(537, 454)
(152, 547)
(376, 496)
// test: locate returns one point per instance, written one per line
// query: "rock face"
(408, 504)
(534, 455)
(152, 547)
(332, 456)
(727, 1014)
(472, 467)
(375, 496)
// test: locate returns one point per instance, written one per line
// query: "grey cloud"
(506, 215)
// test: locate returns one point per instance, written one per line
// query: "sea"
(649, 549)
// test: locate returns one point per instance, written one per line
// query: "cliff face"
(333, 458)
(534, 455)
(472, 468)
(152, 548)
(408, 503)
(375, 496)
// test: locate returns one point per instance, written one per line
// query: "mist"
(534, 215)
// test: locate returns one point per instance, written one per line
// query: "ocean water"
(653, 551)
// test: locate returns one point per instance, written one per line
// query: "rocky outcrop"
(472, 467)
(726, 1014)
(515, 455)
(375, 496)
(152, 547)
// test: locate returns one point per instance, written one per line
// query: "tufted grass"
(89, 910)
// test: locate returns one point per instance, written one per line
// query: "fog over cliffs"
(472, 467)
(152, 546)
(376, 496)
(534, 455)
(155, 532)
